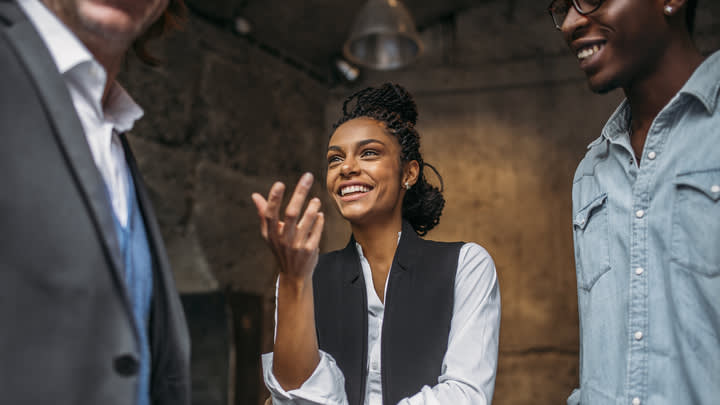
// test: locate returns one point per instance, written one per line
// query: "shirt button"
(639, 271)
(639, 213)
(638, 335)
(636, 401)
(715, 188)
(652, 155)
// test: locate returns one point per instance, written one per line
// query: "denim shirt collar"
(703, 85)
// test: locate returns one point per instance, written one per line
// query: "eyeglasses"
(559, 9)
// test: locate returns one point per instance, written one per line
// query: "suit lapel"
(69, 133)
(152, 228)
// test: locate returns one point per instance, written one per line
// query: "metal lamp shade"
(383, 36)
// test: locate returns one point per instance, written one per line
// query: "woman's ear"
(410, 173)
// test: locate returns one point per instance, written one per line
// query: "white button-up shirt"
(470, 363)
(85, 79)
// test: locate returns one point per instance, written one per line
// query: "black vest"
(416, 324)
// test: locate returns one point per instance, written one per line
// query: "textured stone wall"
(223, 119)
(505, 115)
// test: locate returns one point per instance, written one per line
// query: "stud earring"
(668, 9)
(407, 185)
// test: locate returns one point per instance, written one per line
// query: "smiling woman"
(392, 318)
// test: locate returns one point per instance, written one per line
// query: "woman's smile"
(352, 191)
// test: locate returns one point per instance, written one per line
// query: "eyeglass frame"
(575, 5)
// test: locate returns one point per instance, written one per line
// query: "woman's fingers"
(272, 209)
(261, 206)
(308, 219)
(294, 207)
(316, 231)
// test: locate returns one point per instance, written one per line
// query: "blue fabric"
(138, 271)
(647, 252)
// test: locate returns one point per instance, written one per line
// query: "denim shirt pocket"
(696, 222)
(592, 250)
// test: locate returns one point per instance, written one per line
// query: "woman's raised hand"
(294, 240)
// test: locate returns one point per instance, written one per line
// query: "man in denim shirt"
(646, 207)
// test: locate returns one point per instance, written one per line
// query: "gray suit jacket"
(67, 335)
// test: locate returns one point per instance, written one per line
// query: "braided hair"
(393, 106)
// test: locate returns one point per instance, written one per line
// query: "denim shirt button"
(639, 271)
(715, 188)
(636, 401)
(652, 155)
(639, 213)
(638, 335)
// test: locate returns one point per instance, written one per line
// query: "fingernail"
(306, 179)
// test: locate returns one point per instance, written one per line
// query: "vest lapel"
(356, 360)
(418, 311)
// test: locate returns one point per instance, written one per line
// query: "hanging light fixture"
(383, 36)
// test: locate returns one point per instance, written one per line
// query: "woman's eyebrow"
(367, 141)
(358, 144)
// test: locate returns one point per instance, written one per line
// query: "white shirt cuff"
(325, 386)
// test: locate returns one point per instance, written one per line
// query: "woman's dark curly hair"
(393, 106)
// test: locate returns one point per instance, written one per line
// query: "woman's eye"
(333, 159)
(369, 153)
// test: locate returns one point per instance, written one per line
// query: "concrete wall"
(505, 115)
(223, 119)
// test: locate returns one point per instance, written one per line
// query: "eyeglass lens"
(559, 9)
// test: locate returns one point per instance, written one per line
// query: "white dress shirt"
(470, 362)
(85, 79)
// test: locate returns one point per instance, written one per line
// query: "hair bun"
(400, 101)
(389, 98)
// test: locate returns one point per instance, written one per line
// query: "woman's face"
(365, 173)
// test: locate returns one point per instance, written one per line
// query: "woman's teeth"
(588, 52)
(353, 189)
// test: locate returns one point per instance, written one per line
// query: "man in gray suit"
(89, 313)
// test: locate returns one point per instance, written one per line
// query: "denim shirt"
(647, 253)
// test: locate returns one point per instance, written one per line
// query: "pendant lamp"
(383, 36)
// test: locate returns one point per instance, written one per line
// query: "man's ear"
(672, 7)
(411, 171)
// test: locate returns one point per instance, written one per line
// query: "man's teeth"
(354, 189)
(588, 52)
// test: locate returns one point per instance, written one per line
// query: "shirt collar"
(704, 84)
(66, 49)
(69, 53)
(616, 126)
(121, 109)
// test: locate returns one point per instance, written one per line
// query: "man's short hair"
(172, 18)
(690, 15)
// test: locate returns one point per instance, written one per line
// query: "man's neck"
(109, 53)
(648, 95)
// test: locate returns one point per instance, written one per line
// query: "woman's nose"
(349, 166)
